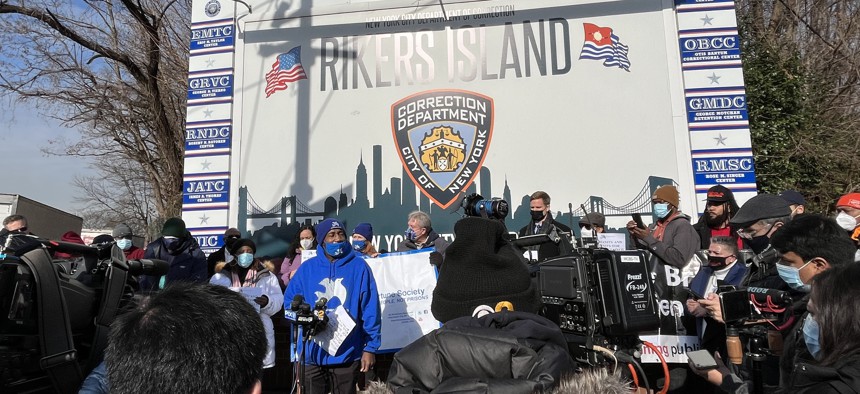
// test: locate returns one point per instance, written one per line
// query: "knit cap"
(482, 268)
(668, 193)
(174, 227)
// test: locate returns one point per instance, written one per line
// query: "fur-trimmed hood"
(268, 264)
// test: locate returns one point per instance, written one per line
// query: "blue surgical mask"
(337, 249)
(123, 244)
(410, 234)
(791, 276)
(811, 336)
(661, 210)
(359, 245)
(245, 259)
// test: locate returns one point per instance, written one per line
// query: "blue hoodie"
(351, 284)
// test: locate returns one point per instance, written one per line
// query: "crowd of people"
(770, 242)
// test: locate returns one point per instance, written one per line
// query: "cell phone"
(702, 359)
(693, 294)
(637, 217)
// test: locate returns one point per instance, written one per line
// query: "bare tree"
(115, 71)
(823, 38)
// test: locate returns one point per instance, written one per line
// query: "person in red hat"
(848, 217)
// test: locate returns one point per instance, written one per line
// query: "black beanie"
(481, 268)
(239, 243)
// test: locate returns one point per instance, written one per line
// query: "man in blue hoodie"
(338, 274)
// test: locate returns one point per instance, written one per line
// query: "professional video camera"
(752, 316)
(475, 205)
(54, 318)
(601, 299)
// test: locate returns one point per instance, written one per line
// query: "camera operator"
(831, 335)
(508, 351)
(181, 251)
(541, 222)
(16, 224)
(808, 245)
(758, 220)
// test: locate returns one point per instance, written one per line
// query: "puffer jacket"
(266, 280)
(504, 352)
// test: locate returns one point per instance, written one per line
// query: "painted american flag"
(287, 69)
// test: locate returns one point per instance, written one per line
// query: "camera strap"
(59, 359)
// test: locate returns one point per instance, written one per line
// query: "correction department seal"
(442, 138)
(213, 7)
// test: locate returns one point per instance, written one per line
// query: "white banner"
(674, 348)
(405, 282)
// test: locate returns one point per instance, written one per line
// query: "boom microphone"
(769, 297)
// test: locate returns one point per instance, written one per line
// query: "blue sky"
(29, 172)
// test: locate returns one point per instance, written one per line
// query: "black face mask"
(716, 262)
(537, 215)
(230, 240)
(759, 244)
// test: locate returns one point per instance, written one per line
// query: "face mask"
(170, 242)
(758, 244)
(245, 259)
(306, 243)
(717, 262)
(586, 232)
(337, 249)
(229, 241)
(410, 234)
(124, 244)
(661, 210)
(846, 221)
(791, 276)
(537, 215)
(811, 336)
(359, 245)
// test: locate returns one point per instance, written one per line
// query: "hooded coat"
(346, 282)
(504, 352)
(266, 280)
(186, 260)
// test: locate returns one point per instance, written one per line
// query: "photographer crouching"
(809, 246)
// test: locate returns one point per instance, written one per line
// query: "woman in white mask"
(257, 281)
(306, 239)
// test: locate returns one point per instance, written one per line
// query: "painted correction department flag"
(287, 69)
(602, 44)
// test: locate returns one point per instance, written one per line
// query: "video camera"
(752, 304)
(600, 299)
(475, 205)
(54, 318)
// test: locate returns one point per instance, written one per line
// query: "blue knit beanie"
(325, 226)
(365, 230)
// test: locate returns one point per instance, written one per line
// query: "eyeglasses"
(19, 229)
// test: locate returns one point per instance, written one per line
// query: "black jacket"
(504, 352)
(843, 377)
(549, 249)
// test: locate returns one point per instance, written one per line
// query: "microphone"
(153, 267)
(320, 307)
(770, 298)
